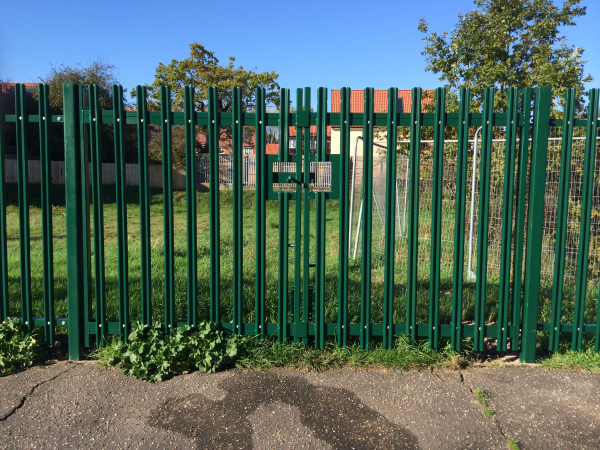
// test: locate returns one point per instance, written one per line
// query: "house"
(313, 139)
(380, 103)
(9, 88)
(249, 144)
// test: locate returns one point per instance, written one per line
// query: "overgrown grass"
(249, 266)
(152, 355)
(565, 358)
(226, 252)
(268, 354)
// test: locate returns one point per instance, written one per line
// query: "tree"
(202, 70)
(509, 43)
(99, 73)
(272, 133)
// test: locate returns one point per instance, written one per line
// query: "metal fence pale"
(505, 201)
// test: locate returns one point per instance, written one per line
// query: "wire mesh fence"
(472, 200)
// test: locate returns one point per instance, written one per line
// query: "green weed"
(512, 445)
(488, 412)
(481, 396)
(268, 353)
(18, 350)
(152, 355)
(565, 358)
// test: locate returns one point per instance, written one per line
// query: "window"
(247, 150)
(313, 142)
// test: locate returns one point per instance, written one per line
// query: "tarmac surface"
(79, 405)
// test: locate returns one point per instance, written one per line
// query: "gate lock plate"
(323, 177)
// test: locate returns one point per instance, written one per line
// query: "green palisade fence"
(251, 289)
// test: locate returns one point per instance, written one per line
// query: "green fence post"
(390, 218)
(99, 267)
(562, 217)
(464, 122)
(214, 133)
(144, 188)
(365, 284)
(166, 121)
(120, 183)
(507, 219)
(297, 318)
(190, 196)
(261, 219)
(21, 121)
(412, 263)
(306, 218)
(593, 131)
(521, 197)
(436, 217)
(344, 242)
(284, 219)
(483, 217)
(85, 211)
(238, 210)
(46, 187)
(585, 225)
(4, 310)
(73, 196)
(320, 327)
(533, 253)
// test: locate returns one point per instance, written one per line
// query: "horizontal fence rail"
(460, 223)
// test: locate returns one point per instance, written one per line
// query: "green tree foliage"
(515, 43)
(203, 70)
(98, 73)
(509, 43)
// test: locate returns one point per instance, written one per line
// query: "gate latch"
(293, 180)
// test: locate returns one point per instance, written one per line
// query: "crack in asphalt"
(435, 374)
(462, 380)
(493, 418)
(30, 393)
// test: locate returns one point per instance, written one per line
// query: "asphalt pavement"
(80, 405)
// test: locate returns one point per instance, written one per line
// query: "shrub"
(18, 350)
(150, 354)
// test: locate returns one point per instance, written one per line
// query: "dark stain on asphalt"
(335, 416)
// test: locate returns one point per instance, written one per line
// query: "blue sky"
(309, 43)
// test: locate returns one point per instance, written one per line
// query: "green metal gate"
(319, 177)
(301, 178)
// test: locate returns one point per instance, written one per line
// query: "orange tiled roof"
(6, 86)
(380, 100)
(313, 131)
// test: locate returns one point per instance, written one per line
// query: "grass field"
(203, 252)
